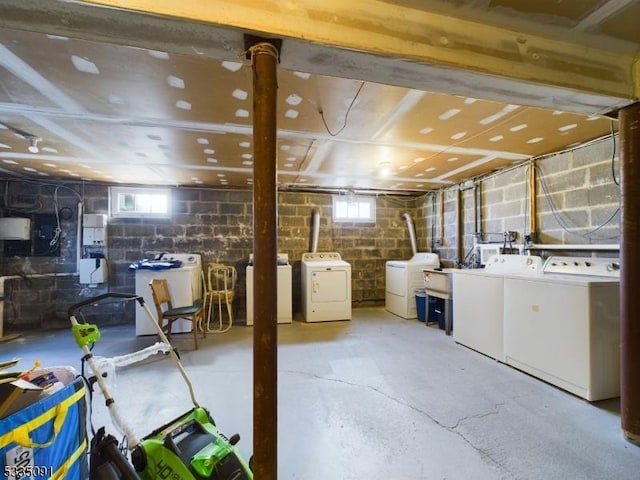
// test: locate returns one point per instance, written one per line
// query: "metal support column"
(264, 59)
(629, 129)
(460, 225)
(442, 237)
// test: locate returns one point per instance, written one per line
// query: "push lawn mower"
(189, 447)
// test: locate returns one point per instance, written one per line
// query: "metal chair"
(218, 297)
(169, 314)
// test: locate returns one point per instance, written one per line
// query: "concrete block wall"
(577, 202)
(578, 196)
(37, 291)
(439, 215)
(365, 246)
(218, 224)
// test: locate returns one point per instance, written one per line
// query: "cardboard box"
(16, 394)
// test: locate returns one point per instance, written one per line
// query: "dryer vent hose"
(412, 233)
(315, 230)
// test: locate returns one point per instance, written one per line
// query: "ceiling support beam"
(437, 42)
(369, 40)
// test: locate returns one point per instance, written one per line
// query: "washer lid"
(426, 258)
(423, 259)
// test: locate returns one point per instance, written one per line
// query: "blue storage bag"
(47, 440)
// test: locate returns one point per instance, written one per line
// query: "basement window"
(130, 202)
(351, 208)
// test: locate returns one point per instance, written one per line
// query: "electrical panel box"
(93, 270)
(94, 220)
(12, 228)
(93, 237)
(94, 228)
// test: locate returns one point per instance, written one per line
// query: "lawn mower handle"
(98, 298)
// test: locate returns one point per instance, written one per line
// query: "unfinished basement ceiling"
(107, 112)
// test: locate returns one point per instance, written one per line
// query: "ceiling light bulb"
(33, 145)
(385, 169)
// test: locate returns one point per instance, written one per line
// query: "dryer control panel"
(602, 267)
(321, 257)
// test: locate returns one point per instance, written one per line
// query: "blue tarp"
(155, 264)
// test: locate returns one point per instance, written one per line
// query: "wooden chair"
(169, 314)
(218, 296)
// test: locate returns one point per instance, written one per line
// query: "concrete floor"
(375, 398)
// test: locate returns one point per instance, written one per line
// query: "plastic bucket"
(421, 304)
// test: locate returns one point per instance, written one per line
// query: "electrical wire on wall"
(562, 222)
(402, 202)
(17, 207)
(303, 163)
(38, 206)
(34, 207)
(613, 156)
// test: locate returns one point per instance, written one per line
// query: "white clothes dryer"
(326, 287)
(402, 279)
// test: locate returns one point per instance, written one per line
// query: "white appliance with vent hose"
(402, 279)
(563, 325)
(185, 287)
(285, 308)
(479, 302)
(326, 287)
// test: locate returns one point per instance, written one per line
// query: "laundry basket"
(47, 439)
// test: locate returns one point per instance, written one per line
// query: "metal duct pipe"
(79, 238)
(442, 239)
(460, 222)
(532, 201)
(412, 233)
(315, 230)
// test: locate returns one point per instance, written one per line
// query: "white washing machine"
(563, 326)
(185, 287)
(402, 279)
(326, 287)
(479, 302)
(284, 279)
